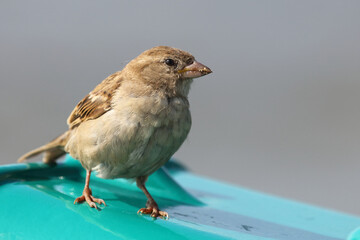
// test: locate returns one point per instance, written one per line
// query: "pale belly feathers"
(134, 139)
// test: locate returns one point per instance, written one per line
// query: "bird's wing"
(96, 103)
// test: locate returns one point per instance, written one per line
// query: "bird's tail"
(52, 150)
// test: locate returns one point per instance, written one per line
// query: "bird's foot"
(87, 196)
(154, 212)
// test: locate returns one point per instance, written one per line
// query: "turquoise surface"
(37, 203)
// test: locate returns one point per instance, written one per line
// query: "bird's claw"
(154, 212)
(89, 199)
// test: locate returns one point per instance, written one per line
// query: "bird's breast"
(135, 138)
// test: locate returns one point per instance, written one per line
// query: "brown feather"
(53, 150)
(96, 103)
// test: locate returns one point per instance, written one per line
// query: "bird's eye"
(170, 62)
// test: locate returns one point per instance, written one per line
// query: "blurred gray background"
(280, 114)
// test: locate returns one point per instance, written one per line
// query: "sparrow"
(131, 123)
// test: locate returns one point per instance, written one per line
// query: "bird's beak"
(194, 70)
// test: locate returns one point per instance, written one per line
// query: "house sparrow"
(131, 123)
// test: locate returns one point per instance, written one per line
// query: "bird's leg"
(151, 206)
(87, 194)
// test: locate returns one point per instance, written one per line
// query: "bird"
(130, 124)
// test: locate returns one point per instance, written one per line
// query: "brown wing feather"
(96, 103)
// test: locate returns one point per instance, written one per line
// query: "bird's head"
(167, 68)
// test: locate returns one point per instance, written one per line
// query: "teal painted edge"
(199, 208)
(355, 235)
(277, 210)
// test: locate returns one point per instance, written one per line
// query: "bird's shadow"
(63, 181)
